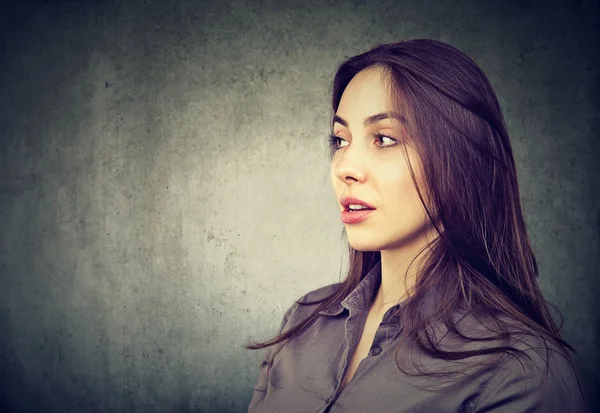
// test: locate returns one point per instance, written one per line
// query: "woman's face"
(370, 164)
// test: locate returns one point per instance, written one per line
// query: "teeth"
(352, 206)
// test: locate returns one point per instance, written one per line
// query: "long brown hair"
(483, 257)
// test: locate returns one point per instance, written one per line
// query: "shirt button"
(375, 350)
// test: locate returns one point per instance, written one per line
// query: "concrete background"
(164, 187)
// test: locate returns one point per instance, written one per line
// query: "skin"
(375, 170)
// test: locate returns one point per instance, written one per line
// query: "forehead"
(368, 92)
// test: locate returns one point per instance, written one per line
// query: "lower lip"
(354, 217)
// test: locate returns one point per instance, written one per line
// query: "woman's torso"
(320, 371)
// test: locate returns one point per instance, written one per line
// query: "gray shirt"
(306, 374)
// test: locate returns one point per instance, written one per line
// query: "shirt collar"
(361, 296)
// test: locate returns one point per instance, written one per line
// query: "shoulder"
(541, 377)
(524, 384)
(533, 348)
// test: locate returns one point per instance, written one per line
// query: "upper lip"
(350, 200)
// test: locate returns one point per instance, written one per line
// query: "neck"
(397, 279)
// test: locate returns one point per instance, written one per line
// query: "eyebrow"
(373, 118)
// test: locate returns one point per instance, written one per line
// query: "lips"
(349, 216)
(355, 217)
(345, 201)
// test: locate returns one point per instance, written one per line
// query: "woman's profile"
(440, 310)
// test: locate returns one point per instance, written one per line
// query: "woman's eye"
(336, 142)
(381, 137)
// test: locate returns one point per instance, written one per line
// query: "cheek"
(399, 191)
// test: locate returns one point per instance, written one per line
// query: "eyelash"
(333, 141)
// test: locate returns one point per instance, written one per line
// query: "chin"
(365, 245)
(364, 249)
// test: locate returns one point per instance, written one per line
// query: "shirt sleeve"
(520, 386)
(260, 388)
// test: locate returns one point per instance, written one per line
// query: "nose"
(349, 169)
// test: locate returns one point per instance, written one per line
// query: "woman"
(440, 310)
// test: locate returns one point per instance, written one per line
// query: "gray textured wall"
(164, 187)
